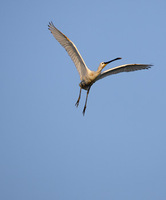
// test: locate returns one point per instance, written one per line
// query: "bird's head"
(103, 64)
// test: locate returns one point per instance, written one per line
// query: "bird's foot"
(77, 103)
(83, 112)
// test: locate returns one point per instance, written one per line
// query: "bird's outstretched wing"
(71, 50)
(123, 68)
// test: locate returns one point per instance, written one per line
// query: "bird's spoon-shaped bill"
(112, 60)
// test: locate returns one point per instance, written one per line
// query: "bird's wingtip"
(150, 65)
(50, 24)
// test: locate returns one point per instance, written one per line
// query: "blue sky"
(48, 150)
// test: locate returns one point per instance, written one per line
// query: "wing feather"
(123, 68)
(71, 50)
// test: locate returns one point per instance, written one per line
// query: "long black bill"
(112, 60)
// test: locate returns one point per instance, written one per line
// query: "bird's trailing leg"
(77, 103)
(86, 101)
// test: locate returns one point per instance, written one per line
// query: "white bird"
(88, 77)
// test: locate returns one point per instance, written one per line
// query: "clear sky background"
(48, 150)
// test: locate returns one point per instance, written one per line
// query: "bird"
(88, 77)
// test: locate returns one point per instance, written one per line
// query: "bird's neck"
(99, 70)
(94, 74)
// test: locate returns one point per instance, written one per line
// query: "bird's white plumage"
(71, 50)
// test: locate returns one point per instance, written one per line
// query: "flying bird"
(88, 77)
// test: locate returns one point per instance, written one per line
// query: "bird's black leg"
(77, 103)
(86, 101)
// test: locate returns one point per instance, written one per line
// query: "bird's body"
(88, 77)
(89, 80)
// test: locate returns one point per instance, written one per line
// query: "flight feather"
(71, 50)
